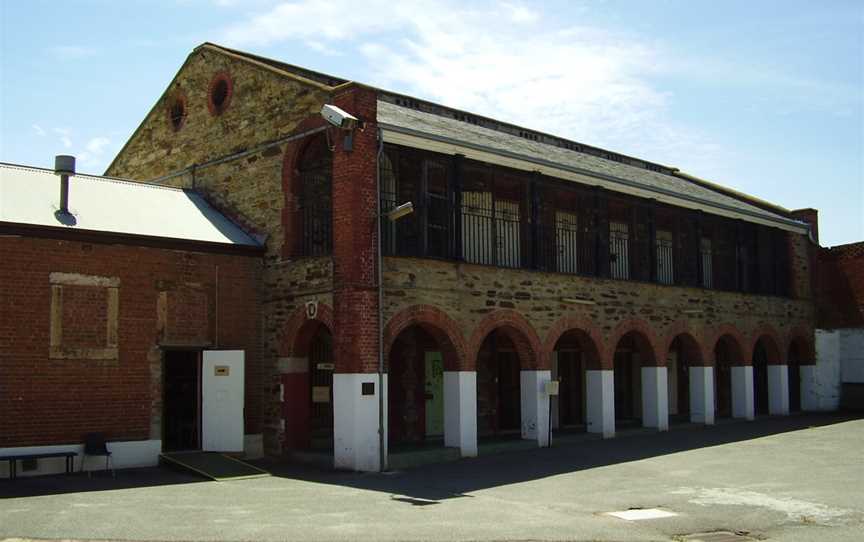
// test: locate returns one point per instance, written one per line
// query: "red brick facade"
(840, 287)
(61, 376)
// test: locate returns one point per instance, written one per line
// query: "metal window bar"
(317, 212)
(387, 177)
(619, 250)
(566, 242)
(706, 255)
(508, 230)
(665, 259)
(477, 227)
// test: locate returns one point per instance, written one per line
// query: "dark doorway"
(726, 353)
(760, 378)
(499, 401)
(570, 394)
(181, 400)
(321, 394)
(679, 381)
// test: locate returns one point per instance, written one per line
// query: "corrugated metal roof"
(31, 196)
(410, 121)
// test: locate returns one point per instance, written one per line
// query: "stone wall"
(476, 299)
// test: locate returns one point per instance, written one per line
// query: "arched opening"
(321, 368)
(727, 352)
(574, 353)
(796, 357)
(415, 392)
(307, 382)
(315, 175)
(632, 352)
(683, 353)
(764, 352)
(498, 386)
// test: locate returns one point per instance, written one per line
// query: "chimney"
(64, 166)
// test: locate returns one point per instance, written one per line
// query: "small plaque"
(320, 394)
(552, 387)
(325, 366)
(368, 388)
(222, 370)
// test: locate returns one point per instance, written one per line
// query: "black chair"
(94, 444)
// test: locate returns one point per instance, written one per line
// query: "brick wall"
(61, 377)
(840, 287)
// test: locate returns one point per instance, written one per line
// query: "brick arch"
(299, 331)
(693, 345)
(437, 323)
(518, 330)
(738, 343)
(589, 337)
(292, 219)
(773, 344)
(646, 338)
(803, 339)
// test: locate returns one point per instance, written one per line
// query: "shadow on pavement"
(431, 484)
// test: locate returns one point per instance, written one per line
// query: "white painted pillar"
(355, 422)
(460, 411)
(655, 398)
(742, 392)
(555, 405)
(535, 406)
(600, 411)
(778, 390)
(702, 395)
(809, 390)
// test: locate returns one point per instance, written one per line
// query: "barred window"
(315, 170)
(665, 259)
(619, 250)
(706, 256)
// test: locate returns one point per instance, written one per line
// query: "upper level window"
(566, 242)
(619, 250)
(221, 91)
(706, 256)
(315, 170)
(664, 256)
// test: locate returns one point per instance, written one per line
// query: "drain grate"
(716, 536)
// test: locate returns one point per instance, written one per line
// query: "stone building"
(652, 296)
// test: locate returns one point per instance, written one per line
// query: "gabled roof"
(30, 196)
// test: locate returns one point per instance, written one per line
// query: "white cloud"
(65, 136)
(39, 130)
(502, 60)
(71, 52)
(94, 156)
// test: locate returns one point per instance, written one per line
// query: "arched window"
(315, 169)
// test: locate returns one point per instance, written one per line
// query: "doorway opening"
(321, 369)
(181, 400)
(499, 400)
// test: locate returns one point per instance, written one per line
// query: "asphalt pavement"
(793, 478)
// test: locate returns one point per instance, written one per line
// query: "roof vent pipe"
(64, 165)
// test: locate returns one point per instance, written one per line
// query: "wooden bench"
(14, 459)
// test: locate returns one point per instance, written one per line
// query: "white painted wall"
(852, 356)
(825, 377)
(355, 422)
(655, 398)
(600, 409)
(742, 392)
(535, 406)
(701, 395)
(460, 411)
(778, 390)
(124, 454)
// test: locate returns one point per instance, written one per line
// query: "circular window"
(177, 112)
(220, 93)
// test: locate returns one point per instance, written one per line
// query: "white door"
(222, 399)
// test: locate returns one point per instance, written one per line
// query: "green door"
(434, 394)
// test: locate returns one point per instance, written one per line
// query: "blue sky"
(765, 97)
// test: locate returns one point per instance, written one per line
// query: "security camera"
(339, 117)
